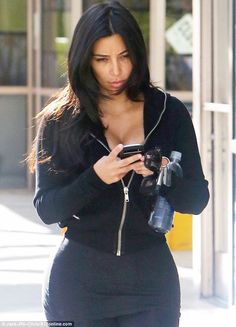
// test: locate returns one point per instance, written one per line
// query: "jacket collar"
(154, 106)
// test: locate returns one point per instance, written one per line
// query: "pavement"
(25, 246)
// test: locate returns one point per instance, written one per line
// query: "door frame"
(217, 245)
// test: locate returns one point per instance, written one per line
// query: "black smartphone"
(130, 150)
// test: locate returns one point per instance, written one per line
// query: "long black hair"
(78, 101)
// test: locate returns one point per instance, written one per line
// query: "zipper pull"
(126, 192)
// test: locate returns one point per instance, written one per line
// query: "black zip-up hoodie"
(114, 218)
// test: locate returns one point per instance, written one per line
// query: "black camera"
(152, 161)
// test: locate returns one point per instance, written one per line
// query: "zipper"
(122, 221)
(126, 188)
(125, 202)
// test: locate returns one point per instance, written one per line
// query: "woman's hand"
(141, 169)
(111, 168)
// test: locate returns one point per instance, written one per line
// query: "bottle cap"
(175, 155)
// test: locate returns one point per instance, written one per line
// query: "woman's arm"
(189, 194)
(57, 198)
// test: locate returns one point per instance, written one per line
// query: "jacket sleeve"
(188, 194)
(57, 198)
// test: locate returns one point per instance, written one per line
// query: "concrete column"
(157, 41)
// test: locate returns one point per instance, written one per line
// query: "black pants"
(85, 285)
(150, 318)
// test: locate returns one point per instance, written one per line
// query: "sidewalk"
(25, 244)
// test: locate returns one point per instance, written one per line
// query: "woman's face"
(111, 63)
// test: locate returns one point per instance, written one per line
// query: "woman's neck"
(116, 105)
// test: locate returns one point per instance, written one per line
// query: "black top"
(96, 213)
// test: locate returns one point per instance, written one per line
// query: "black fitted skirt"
(84, 284)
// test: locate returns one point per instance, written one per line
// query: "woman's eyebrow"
(103, 55)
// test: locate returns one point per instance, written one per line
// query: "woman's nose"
(115, 68)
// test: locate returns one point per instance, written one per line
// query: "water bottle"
(161, 218)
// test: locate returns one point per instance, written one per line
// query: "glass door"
(13, 88)
(234, 153)
(55, 39)
(34, 40)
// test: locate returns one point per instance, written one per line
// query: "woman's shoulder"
(174, 102)
(46, 124)
(178, 114)
(154, 94)
(157, 94)
(160, 99)
(52, 117)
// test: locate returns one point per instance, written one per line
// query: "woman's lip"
(117, 83)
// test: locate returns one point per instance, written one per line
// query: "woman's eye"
(101, 59)
(125, 56)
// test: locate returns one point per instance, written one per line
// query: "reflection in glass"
(55, 41)
(140, 10)
(13, 42)
(179, 45)
(13, 144)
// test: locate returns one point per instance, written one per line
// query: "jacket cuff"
(94, 180)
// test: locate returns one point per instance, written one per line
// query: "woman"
(111, 268)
